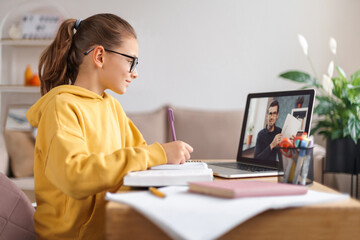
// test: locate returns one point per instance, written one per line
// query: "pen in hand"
(171, 123)
(177, 152)
(156, 192)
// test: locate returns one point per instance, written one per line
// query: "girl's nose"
(134, 74)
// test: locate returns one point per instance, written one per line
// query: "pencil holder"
(296, 165)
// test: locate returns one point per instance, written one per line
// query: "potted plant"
(338, 108)
(250, 135)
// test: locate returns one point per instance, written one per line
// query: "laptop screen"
(272, 116)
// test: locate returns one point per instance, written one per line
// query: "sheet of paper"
(185, 215)
(291, 126)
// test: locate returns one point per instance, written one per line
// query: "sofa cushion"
(20, 147)
(152, 125)
(212, 134)
(16, 212)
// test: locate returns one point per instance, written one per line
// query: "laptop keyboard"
(244, 167)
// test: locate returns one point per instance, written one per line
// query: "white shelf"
(26, 42)
(19, 88)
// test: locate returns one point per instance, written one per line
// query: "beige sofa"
(213, 134)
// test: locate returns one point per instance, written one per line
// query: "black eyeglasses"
(272, 113)
(134, 63)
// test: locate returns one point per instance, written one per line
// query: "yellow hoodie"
(85, 145)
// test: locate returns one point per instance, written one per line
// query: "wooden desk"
(338, 220)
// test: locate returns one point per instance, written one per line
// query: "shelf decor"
(40, 26)
(25, 31)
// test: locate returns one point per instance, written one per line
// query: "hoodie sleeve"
(79, 173)
(74, 168)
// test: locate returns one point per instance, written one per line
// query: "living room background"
(210, 54)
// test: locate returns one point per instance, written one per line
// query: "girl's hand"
(177, 152)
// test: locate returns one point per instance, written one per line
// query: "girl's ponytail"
(53, 64)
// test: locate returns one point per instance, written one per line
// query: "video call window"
(269, 116)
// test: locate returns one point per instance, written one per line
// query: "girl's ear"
(98, 56)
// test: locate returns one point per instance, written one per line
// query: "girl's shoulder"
(113, 101)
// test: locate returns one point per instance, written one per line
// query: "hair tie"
(77, 23)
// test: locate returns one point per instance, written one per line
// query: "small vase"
(248, 140)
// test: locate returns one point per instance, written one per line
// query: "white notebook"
(169, 175)
(186, 165)
(291, 126)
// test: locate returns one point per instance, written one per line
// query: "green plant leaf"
(336, 134)
(356, 82)
(355, 78)
(315, 129)
(341, 73)
(340, 87)
(338, 84)
(297, 76)
(324, 126)
(325, 106)
(326, 134)
(353, 127)
(354, 94)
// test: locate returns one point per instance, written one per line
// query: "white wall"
(210, 54)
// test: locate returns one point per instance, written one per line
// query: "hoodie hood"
(34, 114)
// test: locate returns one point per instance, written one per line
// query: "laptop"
(266, 115)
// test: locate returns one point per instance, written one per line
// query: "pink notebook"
(241, 188)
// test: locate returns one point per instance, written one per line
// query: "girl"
(85, 143)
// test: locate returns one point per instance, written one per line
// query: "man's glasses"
(134, 63)
(272, 114)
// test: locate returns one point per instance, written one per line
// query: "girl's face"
(116, 74)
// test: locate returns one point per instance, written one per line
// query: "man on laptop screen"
(269, 137)
(273, 118)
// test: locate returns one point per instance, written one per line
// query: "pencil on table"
(156, 192)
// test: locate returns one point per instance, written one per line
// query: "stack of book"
(169, 175)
